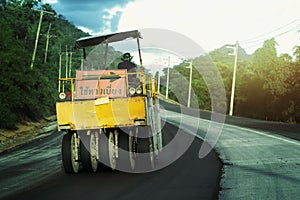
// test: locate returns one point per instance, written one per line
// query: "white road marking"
(281, 138)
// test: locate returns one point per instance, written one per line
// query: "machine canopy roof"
(114, 37)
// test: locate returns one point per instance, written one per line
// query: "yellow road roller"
(109, 115)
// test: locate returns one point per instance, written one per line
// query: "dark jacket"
(131, 67)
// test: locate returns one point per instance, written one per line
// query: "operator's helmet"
(126, 56)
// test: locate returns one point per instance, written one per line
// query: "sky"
(210, 23)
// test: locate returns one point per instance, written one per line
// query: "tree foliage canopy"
(30, 93)
(267, 85)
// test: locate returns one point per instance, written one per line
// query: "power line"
(258, 42)
(270, 32)
(290, 30)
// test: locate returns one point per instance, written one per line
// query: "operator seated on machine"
(130, 66)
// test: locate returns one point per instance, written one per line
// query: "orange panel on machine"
(112, 84)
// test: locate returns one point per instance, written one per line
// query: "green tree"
(25, 93)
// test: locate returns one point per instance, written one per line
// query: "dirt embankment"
(26, 132)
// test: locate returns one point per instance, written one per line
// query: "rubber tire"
(67, 154)
(112, 135)
(103, 149)
(124, 157)
(143, 148)
(85, 156)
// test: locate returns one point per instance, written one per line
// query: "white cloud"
(216, 22)
(106, 22)
(86, 30)
(50, 1)
(108, 17)
(112, 12)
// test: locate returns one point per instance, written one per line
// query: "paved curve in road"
(34, 172)
(257, 164)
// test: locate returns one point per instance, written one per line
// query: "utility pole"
(59, 72)
(37, 36)
(190, 83)
(160, 62)
(235, 53)
(168, 75)
(66, 61)
(158, 83)
(81, 66)
(48, 36)
(70, 63)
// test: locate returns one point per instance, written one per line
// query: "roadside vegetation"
(267, 87)
(25, 93)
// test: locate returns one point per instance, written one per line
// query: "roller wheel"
(89, 152)
(145, 148)
(112, 149)
(104, 157)
(70, 152)
(132, 143)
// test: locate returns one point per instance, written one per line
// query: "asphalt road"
(257, 164)
(261, 160)
(280, 128)
(34, 172)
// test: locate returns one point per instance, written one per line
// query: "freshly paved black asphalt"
(34, 171)
(187, 178)
(280, 128)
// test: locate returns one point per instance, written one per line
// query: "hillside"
(25, 93)
(222, 54)
(267, 85)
